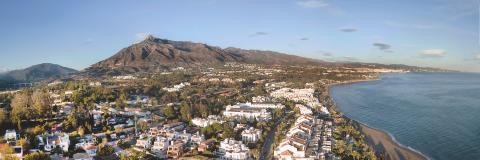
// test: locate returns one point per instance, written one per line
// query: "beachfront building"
(297, 95)
(294, 145)
(238, 112)
(259, 105)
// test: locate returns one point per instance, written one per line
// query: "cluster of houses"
(169, 140)
(310, 137)
(176, 87)
(47, 142)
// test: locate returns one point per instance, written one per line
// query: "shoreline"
(384, 144)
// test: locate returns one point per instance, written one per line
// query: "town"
(232, 112)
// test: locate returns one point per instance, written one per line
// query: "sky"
(77, 34)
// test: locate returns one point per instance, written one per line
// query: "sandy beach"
(386, 147)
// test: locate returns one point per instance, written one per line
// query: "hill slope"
(37, 73)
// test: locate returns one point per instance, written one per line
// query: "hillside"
(35, 73)
(155, 54)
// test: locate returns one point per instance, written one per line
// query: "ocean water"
(437, 114)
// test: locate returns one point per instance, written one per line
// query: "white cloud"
(312, 3)
(477, 57)
(87, 41)
(3, 69)
(433, 53)
(141, 36)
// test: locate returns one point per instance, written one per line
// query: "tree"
(142, 125)
(81, 131)
(169, 111)
(20, 109)
(202, 110)
(42, 104)
(37, 156)
(186, 112)
(228, 131)
(24, 143)
(105, 151)
(340, 148)
(3, 117)
(6, 151)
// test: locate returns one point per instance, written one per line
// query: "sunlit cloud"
(141, 36)
(433, 53)
(477, 57)
(312, 3)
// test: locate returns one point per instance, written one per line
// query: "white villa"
(204, 122)
(61, 140)
(234, 150)
(251, 135)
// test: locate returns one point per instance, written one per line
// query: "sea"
(437, 114)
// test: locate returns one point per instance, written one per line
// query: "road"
(266, 154)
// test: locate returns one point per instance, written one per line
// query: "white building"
(177, 87)
(295, 143)
(297, 95)
(304, 109)
(204, 122)
(10, 135)
(144, 142)
(251, 135)
(160, 147)
(289, 150)
(61, 140)
(246, 112)
(234, 150)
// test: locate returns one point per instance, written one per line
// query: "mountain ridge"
(156, 54)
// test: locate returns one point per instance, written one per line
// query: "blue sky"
(436, 33)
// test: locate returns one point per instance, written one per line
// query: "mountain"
(36, 73)
(155, 54)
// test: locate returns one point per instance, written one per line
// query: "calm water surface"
(437, 114)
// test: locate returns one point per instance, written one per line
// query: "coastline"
(384, 144)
